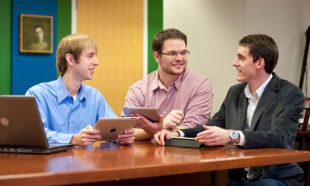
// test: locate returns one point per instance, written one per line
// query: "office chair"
(303, 133)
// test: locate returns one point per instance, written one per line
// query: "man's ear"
(260, 63)
(156, 56)
(69, 58)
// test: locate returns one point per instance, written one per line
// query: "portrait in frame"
(36, 33)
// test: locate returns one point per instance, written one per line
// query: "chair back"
(306, 114)
(304, 132)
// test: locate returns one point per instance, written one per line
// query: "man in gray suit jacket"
(260, 112)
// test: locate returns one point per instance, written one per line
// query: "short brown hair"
(170, 33)
(262, 46)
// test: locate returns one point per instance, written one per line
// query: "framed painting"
(36, 33)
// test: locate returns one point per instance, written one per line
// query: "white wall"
(214, 28)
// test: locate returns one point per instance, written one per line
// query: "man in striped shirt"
(182, 96)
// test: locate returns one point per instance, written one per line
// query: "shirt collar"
(259, 91)
(62, 92)
(158, 84)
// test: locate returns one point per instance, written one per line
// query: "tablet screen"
(150, 113)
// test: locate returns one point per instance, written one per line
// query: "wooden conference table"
(139, 164)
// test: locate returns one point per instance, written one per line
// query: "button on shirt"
(191, 93)
(61, 115)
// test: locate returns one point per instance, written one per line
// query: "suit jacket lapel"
(243, 104)
(267, 97)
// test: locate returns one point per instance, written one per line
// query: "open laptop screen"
(20, 125)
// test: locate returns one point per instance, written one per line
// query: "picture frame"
(36, 33)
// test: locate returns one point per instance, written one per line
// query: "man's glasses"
(174, 54)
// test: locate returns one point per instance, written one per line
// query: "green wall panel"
(5, 47)
(155, 24)
(64, 20)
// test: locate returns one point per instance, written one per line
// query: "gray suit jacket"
(274, 123)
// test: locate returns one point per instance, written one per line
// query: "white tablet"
(150, 113)
(110, 128)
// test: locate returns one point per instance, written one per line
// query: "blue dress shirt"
(61, 115)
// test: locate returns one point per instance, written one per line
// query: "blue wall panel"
(29, 69)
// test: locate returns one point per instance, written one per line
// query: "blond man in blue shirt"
(69, 108)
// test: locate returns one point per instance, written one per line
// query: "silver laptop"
(21, 129)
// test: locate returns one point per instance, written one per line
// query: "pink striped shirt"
(191, 93)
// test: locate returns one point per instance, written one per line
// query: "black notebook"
(183, 142)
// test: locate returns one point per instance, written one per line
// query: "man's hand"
(148, 126)
(213, 136)
(87, 136)
(161, 136)
(127, 137)
(173, 119)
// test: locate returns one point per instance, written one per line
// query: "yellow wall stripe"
(117, 28)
